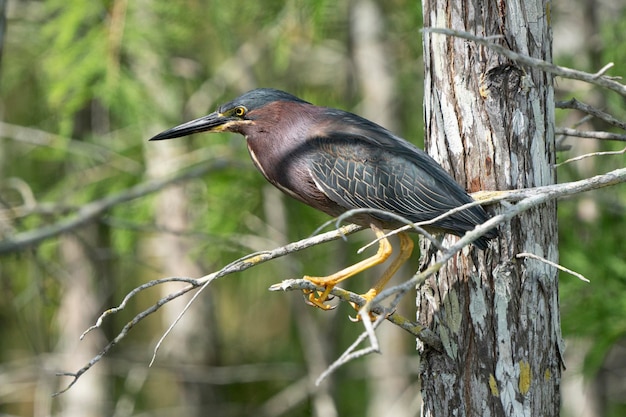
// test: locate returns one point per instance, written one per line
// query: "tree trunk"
(490, 123)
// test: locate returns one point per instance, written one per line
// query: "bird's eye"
(239, 111)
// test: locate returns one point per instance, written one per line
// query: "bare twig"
(236, 266)
(408, 224)
(586, 108)
(604, 69)
(175, 322)
(590, 134)
(544, 260)
(561, 138)
(423, 333)
(351, 353)
(38, 137)
(193, 283)
(589, 155)
(596, 79)
(122, 334)
(92, 210)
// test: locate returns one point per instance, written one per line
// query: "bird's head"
(234, 115)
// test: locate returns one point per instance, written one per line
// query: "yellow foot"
(317, 298)
(369, 296)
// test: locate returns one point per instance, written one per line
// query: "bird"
(336, 161)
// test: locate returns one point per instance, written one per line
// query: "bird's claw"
(316, 298)
(368, 296)
(373, 316)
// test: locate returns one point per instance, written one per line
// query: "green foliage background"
(89, 82)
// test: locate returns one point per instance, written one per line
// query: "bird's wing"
(357, 172)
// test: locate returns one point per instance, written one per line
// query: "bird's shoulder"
(352, 135)
(346, 136)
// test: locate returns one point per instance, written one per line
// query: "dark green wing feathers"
(359, 171)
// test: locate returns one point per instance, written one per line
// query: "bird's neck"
(276, 141)
(284, 127)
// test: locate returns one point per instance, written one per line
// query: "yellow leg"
(329, 282)
(406, 249)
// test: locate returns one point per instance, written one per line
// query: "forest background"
(83, 85)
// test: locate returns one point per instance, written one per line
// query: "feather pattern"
(364, 167)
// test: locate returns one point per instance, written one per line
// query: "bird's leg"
(406, 249)
(318, 298)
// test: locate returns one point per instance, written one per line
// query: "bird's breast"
(288, 169)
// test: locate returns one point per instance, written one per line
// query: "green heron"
(336, 161)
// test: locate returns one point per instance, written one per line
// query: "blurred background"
(84, 84)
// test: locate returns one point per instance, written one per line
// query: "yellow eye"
(239, 111)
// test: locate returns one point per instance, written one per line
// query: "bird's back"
(359, 164)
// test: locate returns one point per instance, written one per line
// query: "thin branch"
(175, 322)
(364, 312)
(38, 137)
(561, 138)
(596, 79)
(562, 190)
(419, 225)
(193, 284)
(94, 209)
(590, 134)
(351, 353)
(604, 69)
(586, 108)
(589, 155)
(544, 260)
(122, 334)
(239, 265)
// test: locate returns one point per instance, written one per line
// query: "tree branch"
(596, 79)
(586, 108)
(38, 137)
(590, 134)
(589, 155)
(557, 266)
(238, 265)
(92, 210)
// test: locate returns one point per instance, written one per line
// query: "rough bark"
(490, 124)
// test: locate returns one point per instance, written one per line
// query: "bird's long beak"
(214, 122)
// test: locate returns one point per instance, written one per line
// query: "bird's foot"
(368, 296)
(318, 298)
